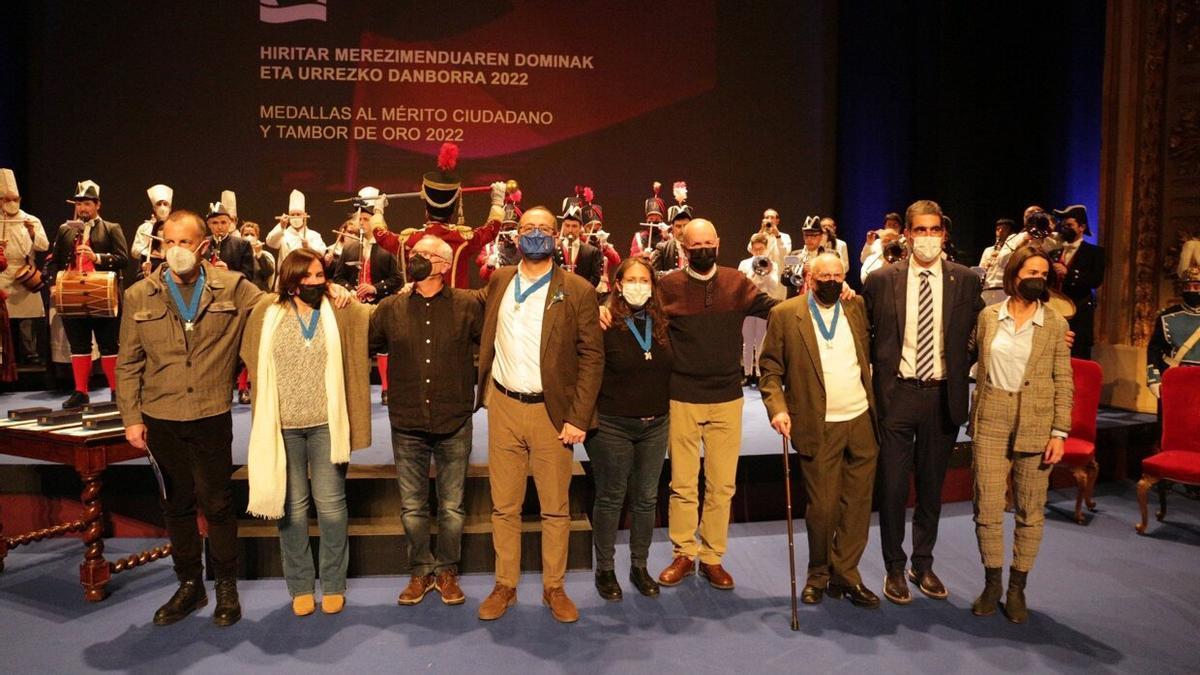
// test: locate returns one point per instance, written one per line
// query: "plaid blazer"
(1048, 389)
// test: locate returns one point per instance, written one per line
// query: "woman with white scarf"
(311, 406)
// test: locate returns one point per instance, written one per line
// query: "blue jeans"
(308, 452)
(450, 452)
(627, 458)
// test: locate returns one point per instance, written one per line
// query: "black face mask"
(1191, 298)
(827, 292)
(419, 268)
(702, 259)
(1068, 235)
(311, 294)
(1031, 289)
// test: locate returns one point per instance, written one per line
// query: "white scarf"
(267, 460)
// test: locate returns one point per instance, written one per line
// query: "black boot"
(77, 400)
(189, 597)
(642, 581)
(607, 586)
(1014, 604)
(228, 610)
(993, 586)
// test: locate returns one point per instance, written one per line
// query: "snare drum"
(81, 294)
(30, 277)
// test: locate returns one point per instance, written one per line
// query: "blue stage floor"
(1102, 598)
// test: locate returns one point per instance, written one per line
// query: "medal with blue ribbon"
(643, 340)
(826, 332)
(520, 295)
(308, 330)
(187, 311)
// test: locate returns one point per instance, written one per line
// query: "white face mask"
(927, 249)
(12, 208)
(636, 293)
(180, 259)
(296, 221)
(162, 211)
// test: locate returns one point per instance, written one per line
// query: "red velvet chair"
(1178, 460)
(1079, 454)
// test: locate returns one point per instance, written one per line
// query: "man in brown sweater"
(706, 304)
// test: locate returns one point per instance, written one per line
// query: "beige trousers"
(718, 428)
(521, 438)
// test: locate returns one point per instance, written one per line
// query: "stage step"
(377, 536)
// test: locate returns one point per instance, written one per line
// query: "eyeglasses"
(545, 229)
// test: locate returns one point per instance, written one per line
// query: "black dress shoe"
(812, 595)
(860, 595)
(642, 581)
(244, 396)
(228, 610)
(383, 397)
(189, 597)
(78, 399)
(895, 588)
(607, 586)
(929, 584)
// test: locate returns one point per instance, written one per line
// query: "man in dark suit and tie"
(816, 385)
(226, 248)
(1081, 268)
(922, 313)
(576, 255)
(541, 360)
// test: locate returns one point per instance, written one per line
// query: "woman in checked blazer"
(1020, 416)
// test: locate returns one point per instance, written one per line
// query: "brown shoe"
(679, 568)
(717, 576)
(497, 603)
(417, 587)
(561, 607)
(929, 583)
(896, 589)
(447, 585)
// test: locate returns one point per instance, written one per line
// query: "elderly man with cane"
(815, 366)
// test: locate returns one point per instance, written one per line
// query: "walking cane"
(787, 483)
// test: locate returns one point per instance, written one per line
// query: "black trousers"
(1083, 323)
(79, 332)
(196, 463)
(916, 439)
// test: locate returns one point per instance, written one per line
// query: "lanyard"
(826, 332)
(642, 340)
(309, 331)
(187, 312)
(520, 296)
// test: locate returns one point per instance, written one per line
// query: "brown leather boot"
(447, 585)
(561, 607)
(679, 568)
(497, 602)
(415, 592)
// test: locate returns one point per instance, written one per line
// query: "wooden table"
(90, 456)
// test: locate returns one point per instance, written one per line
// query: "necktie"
(925, 329)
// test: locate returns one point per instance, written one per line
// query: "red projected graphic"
(533, 77)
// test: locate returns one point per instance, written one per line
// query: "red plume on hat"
(448, 157)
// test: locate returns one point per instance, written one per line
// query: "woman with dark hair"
(307, 361)
(1020, 416)
(628, 447)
